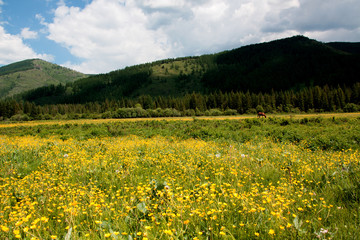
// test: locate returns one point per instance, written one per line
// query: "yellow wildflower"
(5, 228)
(18, 223)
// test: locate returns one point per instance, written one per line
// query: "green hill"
(290, 63)
(30, 74)
(349, 47)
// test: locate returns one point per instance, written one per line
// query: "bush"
(131, 113)
(169, 112)
(351, 107)
(20, 117)
(139, 112)
(106, 115)
(46, 117)
(154, 112)
(251, 111)
(259, 108)
(198, 112)
(230, 112)
(189, 112)
(215, 112)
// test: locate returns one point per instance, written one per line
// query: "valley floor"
(237, 117)
(283, 177)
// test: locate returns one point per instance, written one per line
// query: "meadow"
(274, 178)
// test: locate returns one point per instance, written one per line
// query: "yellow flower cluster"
(163, 188)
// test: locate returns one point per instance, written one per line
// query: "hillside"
(291, 63)
(349, 47)
(30, 74)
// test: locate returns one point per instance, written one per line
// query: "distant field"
(239, 117)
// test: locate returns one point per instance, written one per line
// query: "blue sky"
(17, 15)
(97, 36)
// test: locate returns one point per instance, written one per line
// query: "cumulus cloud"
(41, 19)
(317, 15)
(111, 34)
(211, 25)
(107, 35)
(332, 35)
(26, 33)
(12, 49)
(120, 34)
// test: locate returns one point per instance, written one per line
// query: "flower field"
(166, 187)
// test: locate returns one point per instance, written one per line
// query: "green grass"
(314, 132)
(274, 178)
(30, 74)
(174, 78)
(16, 67)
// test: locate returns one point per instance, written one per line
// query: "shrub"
(20, 117)
(230, 112)
(215, 112)
(189, 112)
(351, 107)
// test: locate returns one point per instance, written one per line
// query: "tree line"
(311, 99)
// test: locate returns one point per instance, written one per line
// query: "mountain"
(349, 47)
(30, 74)
(290, 63)
(286, 64)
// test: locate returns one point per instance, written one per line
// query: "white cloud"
(41, 19)
(163, 3)
(336, 35)
(26, 33)
(107, 35)
(13, 49)
(111, 34)
(220, 25)
(318, 15)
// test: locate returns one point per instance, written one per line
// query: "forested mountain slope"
(285, 64)
(33, 73)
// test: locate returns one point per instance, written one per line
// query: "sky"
(98, 36)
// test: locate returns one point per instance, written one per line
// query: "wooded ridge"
(291, 74)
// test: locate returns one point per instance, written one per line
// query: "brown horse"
(261, 114)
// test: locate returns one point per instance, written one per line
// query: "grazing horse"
(261, 114)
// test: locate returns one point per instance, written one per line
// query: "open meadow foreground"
(282, 177)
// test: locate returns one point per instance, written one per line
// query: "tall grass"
(179, 180)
